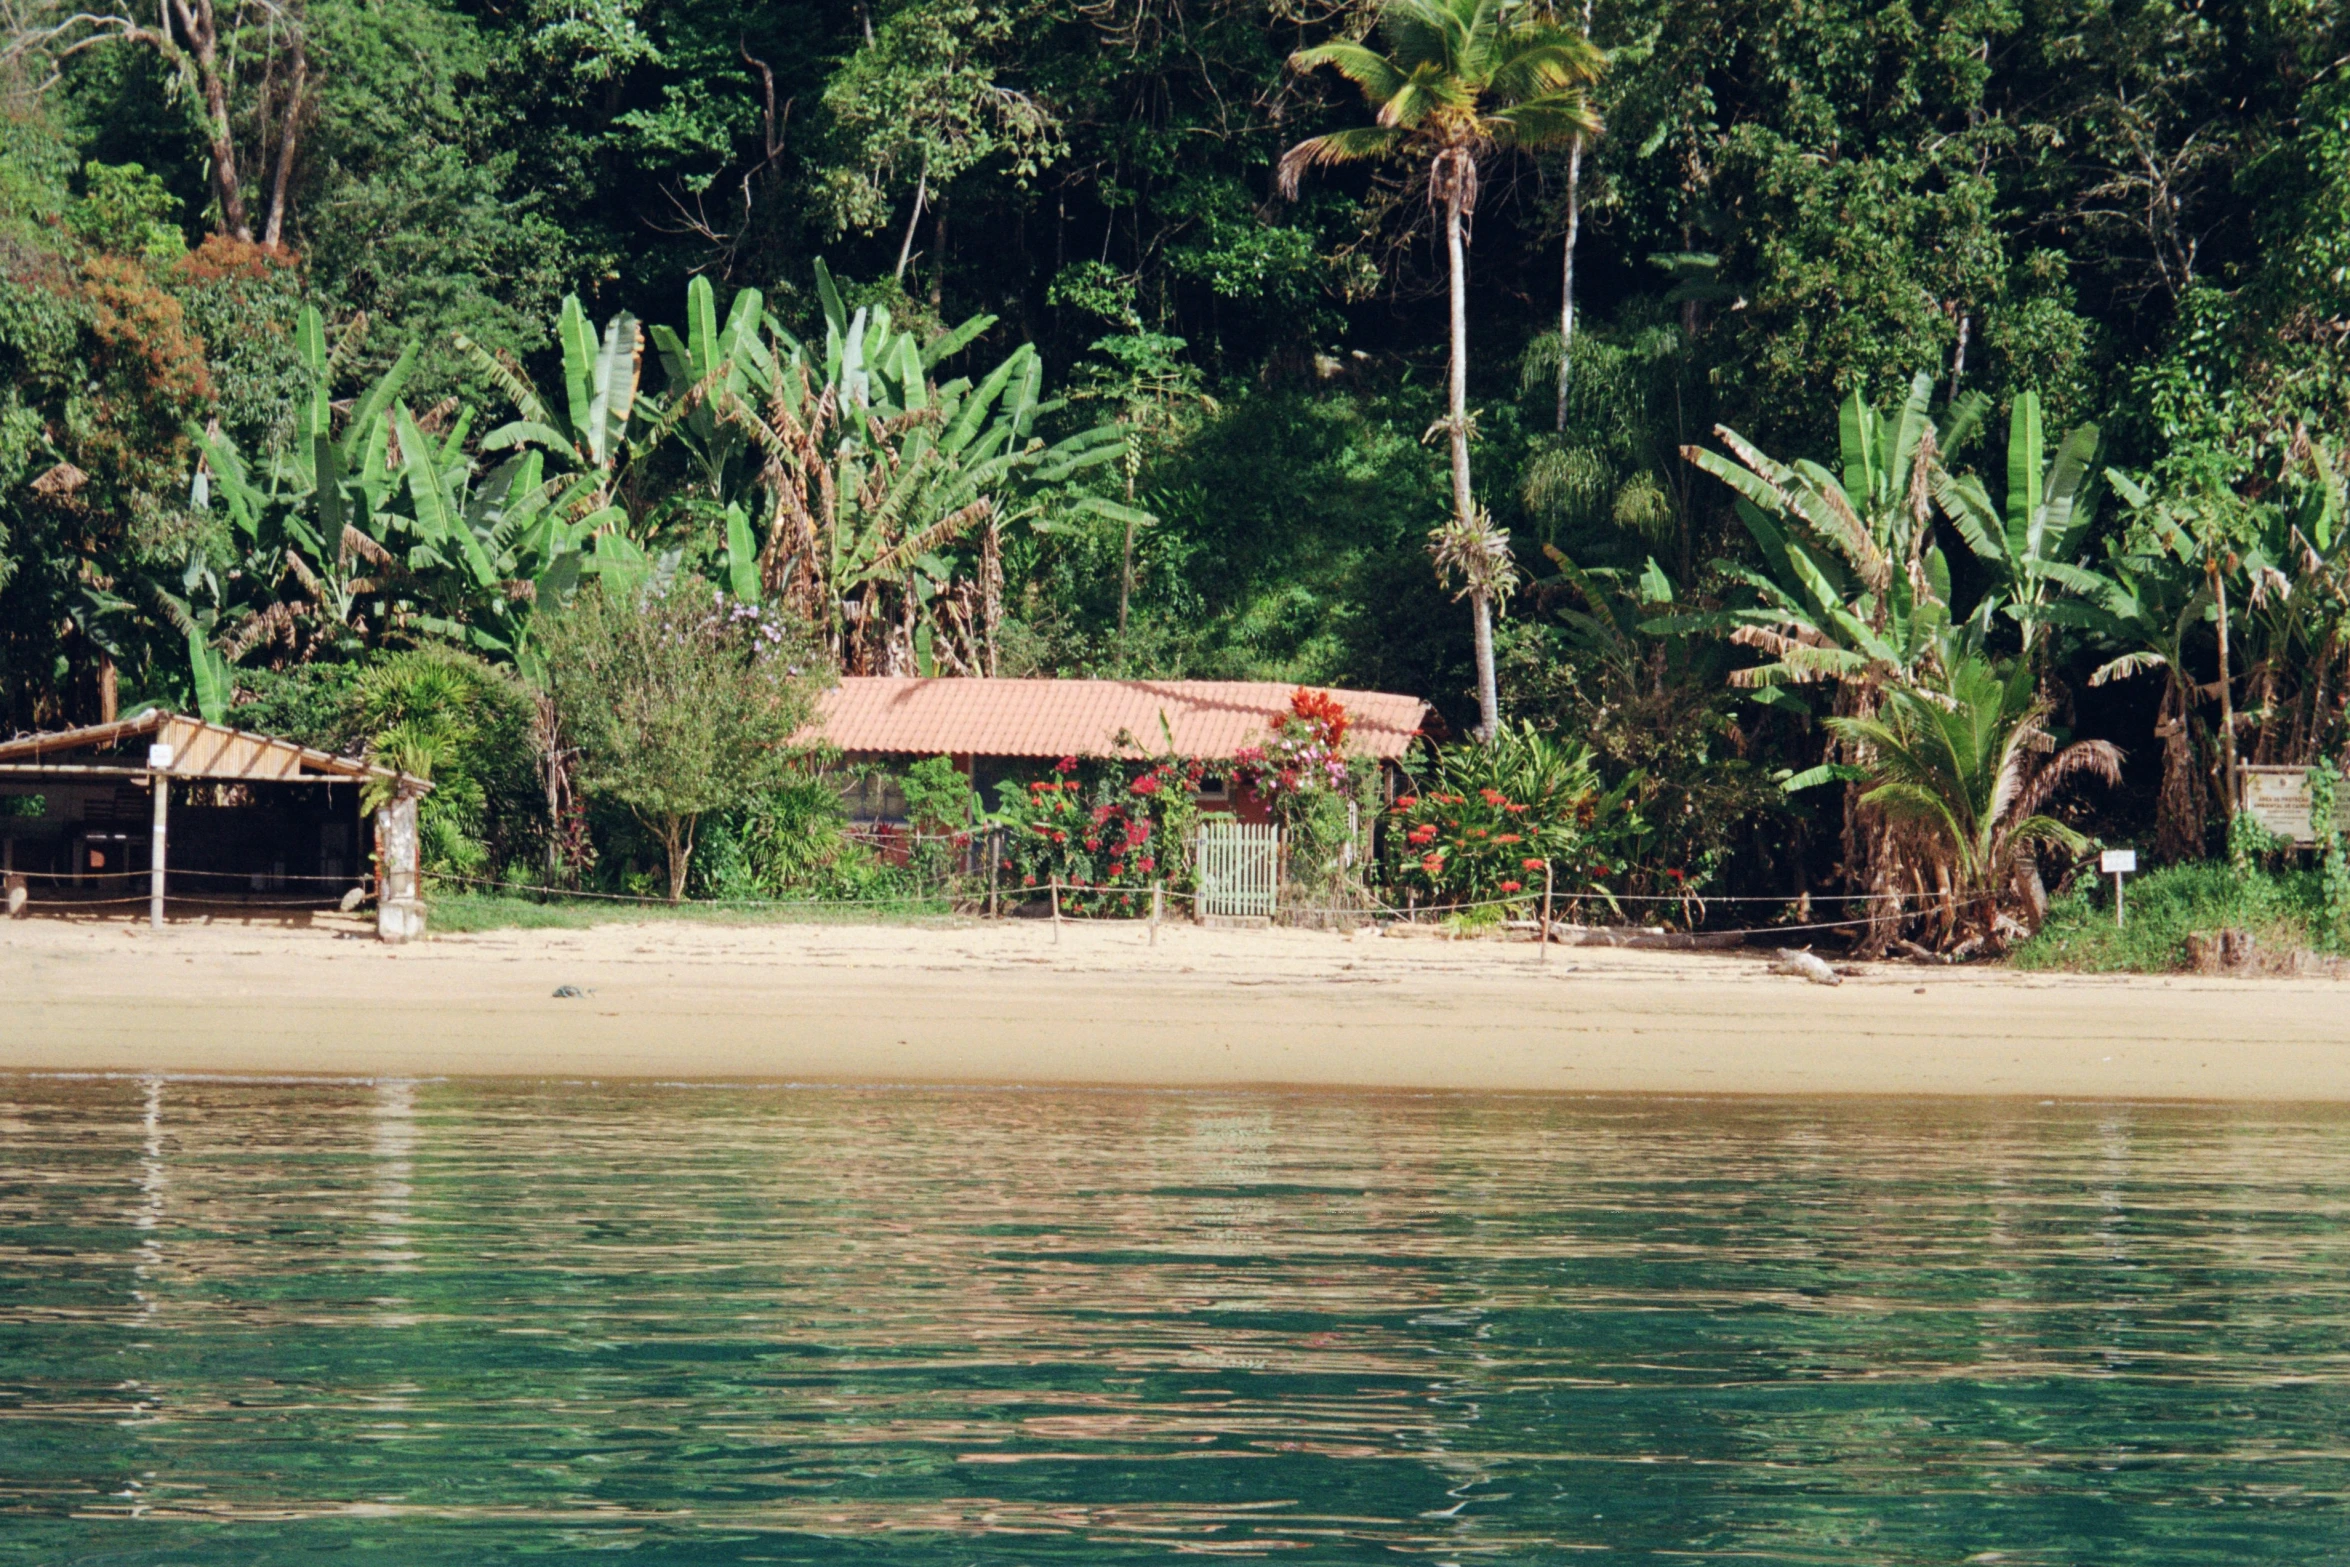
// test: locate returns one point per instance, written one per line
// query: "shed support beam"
(156, 855)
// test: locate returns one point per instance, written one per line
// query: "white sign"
(2113, 862)
(159, 758)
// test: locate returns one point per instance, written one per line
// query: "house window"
(1214, 788)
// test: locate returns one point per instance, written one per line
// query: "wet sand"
(1003, 1004)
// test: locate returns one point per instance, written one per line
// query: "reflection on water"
(455, 1322)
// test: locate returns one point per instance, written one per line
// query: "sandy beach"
(1005, 1004)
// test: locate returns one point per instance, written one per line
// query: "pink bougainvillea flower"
(1146, 863)
(1147, 784)
(1117, 869)
(1067, 764)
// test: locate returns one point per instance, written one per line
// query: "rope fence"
(1053, 891)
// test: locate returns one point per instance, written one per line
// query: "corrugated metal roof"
(1207, 718)
(199, 750)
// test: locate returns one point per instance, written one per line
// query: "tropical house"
(998, 729)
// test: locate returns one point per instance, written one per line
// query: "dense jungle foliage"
(1822, 372)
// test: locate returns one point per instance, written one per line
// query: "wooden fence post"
(1542, 931)
(1056, 908)
(1158, 908)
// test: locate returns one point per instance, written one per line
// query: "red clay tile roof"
(1208, 718)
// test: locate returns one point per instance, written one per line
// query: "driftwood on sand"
(1805, 965)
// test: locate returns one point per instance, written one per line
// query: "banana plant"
(1853, 590)
(875, 473)
(591, 428)
(2049, 511)
(2140, 609)
(708, 366)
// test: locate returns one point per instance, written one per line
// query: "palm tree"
(1461, 78)
(1973, 768)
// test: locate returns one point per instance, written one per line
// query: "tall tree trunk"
(1464, 505)
(273, 221)
(2227, 698)
(1488, 697)
(921, 199)
(1567, 275)
(2179, 814)
(202, 34)
(1126, 559)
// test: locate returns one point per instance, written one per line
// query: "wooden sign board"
(2278, 799)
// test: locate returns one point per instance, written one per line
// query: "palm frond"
(1353, 145)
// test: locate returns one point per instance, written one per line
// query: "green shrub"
(2283, 911)
(683, 702)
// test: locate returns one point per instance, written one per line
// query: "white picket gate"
(1239, 869)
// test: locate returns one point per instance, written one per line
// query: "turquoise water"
(460, 1323)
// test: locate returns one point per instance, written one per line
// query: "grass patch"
(462, 913)
(2284, 912)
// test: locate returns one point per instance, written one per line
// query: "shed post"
(399, 905)
(159, 759)
(156, 854)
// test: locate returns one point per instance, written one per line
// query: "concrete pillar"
(156, 854)
(159, 760)
(399, 894)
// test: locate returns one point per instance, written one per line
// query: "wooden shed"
(201, 811)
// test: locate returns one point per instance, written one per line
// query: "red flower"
(1509, 886)
(1507, 837)
(1067, 764)
(1404, 802)
(1147, 784)
(1117, 869)
(1146, 863)
(1494, 797)
(1530, 865)
(1433, 864)
(1322, 710)
(1093, 843)
(1676, 875)
(1027, 881)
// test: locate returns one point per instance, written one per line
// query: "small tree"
(682, 701)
